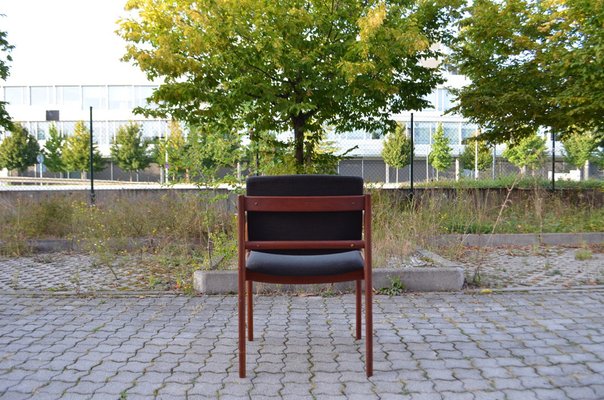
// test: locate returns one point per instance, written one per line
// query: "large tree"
(532, 63)
(76, 153)
(130, 150)
(397, 149)
(291, 65)
(18, 150)
(5, 58)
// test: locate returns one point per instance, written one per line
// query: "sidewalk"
(540, 345)
(133, 341)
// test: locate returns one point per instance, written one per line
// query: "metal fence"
(363, 160)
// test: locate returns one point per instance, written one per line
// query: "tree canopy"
(397, 149)
(476, 153)
(581, 147)
(292, 65)
(76, 153)
(532, 64)
(440, 156)
(53, 150)
(528, 151)
(129, 150)
(210, 150)
(18, 150)
(5, 58)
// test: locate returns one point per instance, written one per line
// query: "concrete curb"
(419, 279)
(523, 239)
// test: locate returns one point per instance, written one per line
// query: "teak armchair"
(304, 229)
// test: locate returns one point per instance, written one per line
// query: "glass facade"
(467, 130)
(70, 96)
(451, 130)
(141, 93)
(94, 96)
(120, 97)
(15, 95)
(40, 95)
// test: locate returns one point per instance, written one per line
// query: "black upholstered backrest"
(305, 225)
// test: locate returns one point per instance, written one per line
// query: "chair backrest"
(304, 225)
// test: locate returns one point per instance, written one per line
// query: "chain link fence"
(363, 153)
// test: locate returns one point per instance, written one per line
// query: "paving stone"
(415, 367)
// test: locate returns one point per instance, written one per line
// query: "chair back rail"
(304, 203)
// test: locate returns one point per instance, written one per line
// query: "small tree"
(598, 156)
(579, 148)
(76, 153)
(440, 157)
(19, 150)
(397, 149)
(129, 150)
(171, 152)
(53, 151)
(477, 154)
(208, 150)
(529, 152)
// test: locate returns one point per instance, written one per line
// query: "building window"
(468, 130)
(451, 130)
(70, 96)
(39, 95)
(421, 132)
(94, 96)
(141, 93)
(15, 95)
(433, 99)
(120, 97)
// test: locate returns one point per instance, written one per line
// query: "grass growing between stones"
(171, 235)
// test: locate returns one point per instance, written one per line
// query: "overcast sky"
(66, 42)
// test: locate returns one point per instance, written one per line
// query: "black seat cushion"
(303, 265)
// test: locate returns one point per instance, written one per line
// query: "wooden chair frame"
(304, 204)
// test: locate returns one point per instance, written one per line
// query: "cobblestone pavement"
(58, 272)
(537, 345)
(540, 266)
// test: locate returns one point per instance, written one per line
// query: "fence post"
(92, 196)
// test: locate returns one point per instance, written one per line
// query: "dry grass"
(198, 229)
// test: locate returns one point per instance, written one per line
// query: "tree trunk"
(298, 123)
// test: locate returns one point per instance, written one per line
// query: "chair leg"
(250, 312)
(358, 310)
(369, 327)
(241, 311)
